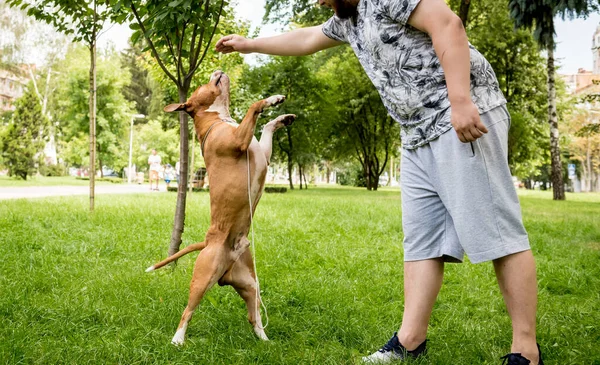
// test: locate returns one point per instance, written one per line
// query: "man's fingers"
(468, 136)
(224, 39)
(476, 133)
(481, 127)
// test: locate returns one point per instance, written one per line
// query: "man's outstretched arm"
(299, 42)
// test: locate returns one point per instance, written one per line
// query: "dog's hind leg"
(243, 279)
(193, 247)
(266, 138)
(210, 266)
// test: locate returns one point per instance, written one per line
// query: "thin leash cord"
(258, 298)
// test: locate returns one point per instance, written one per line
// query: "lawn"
(6, 181)
(73, 287)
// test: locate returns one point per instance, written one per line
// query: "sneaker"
(518, 359)
(394, 351)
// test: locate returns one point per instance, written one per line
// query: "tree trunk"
(290, 163)
(558, 186)
(464, 11)
(179, 221)
(93, 113)
(192, 172)
(588, 159)
(305, 182)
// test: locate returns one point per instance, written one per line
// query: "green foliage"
(294, 78)
(151, 136)
(521, 72)
(52, 170)
(363, 128)
(304, 12)
(330, 268)
(177, 32)
(275, 189)
(81, 19)
(114, 111)
(24, 136)
(143, 91)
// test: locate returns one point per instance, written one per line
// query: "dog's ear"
(174, 107)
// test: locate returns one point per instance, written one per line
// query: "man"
(155, 165)
(457, 191)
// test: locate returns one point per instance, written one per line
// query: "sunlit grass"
(73, 288)
(6, 181)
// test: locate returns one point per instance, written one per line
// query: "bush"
(352, 177)
(275, 189)
(195, 190)
(114, 180)
(53, 170)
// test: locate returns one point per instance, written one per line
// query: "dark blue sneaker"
(518, 359)
(394, 351)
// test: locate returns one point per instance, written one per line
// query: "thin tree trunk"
(93, 112)
(179, 221)
(305, 182)
(588, 158)
(558, 186)
(289, 156)
(192, 172)
(464, 11)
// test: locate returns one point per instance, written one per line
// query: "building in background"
(12, 87)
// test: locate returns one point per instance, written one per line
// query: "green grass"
(73, 288)
(6, 181)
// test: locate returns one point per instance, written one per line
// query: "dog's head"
(211, 97)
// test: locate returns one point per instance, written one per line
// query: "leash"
(259, 302)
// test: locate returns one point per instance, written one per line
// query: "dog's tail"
(193, 247)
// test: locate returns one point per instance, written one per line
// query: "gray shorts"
(459, 197)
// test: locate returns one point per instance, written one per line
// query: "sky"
(573, 51)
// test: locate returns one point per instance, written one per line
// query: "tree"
(363, 127)
(519, 67)
(178, 33)
(114, 110)
(539, 15)
(293, 77)
(145, 92)
(82, 20)
(24, 137)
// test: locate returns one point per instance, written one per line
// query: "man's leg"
(422, 283)
(517, 280)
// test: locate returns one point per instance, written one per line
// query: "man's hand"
(233, 43)
(466, 122)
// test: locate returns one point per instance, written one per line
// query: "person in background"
(169, 174)
(154, 161)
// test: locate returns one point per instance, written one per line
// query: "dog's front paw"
(286, 119)
(274, 100)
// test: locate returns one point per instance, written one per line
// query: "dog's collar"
(206, 135)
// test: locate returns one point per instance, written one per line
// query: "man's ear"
(174, 107)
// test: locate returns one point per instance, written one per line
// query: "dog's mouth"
(219, 78)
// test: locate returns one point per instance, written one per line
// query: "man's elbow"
(451, 26)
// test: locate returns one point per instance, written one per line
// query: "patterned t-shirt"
(403, 66)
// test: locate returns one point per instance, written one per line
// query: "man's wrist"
(460, 99)
(250, 45)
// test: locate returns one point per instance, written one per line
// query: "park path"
(46, 191)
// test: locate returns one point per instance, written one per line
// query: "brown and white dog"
(228, 148)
